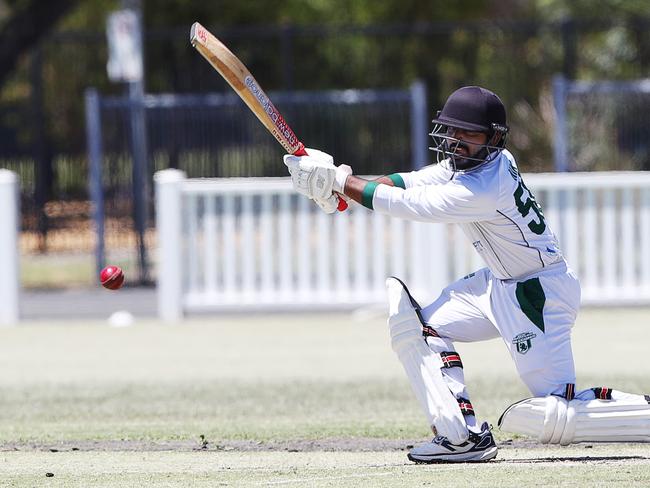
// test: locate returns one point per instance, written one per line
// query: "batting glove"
(315, 175)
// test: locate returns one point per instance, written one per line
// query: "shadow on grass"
(578, 459)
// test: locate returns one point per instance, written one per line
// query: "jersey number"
(524, 207)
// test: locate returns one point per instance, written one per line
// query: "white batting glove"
(315, 175)
(329, 205)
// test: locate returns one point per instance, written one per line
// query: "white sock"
(472, 424)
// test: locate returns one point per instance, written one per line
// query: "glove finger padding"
(291, 162)
(320, 156)
(328, 205)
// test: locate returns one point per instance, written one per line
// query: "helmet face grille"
(475, 109)
(445, 147)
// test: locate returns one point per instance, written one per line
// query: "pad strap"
(428, 331)
(570, 391)
(466, 407)
(451, 359)
(602, 393)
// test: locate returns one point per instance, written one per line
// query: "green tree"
(24, 23)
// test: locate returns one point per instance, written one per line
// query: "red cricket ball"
(112, 277)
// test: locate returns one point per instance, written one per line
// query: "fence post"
(140, 173)
(95, 156)
(419, 130)
(169, 229)
(43, 168)
(9, 257)
(569, 48)
(560, 147)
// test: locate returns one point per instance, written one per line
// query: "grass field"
(295, 400)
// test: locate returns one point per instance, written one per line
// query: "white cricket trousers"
(533, 316)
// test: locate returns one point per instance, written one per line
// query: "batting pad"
(554, 420)
(422, 366)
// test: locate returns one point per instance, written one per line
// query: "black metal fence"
(602, 125)
(42, 134)
(217, 135)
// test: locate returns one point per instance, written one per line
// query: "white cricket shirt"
(491, 204)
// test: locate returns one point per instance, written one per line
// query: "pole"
(140, 170)
(139, 174)
(560, 144)
(419, 130)
(95, 156)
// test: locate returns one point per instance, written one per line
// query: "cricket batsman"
(527, 294)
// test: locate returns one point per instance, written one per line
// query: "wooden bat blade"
(219, 56)
(241, 80)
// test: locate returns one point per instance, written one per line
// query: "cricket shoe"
(478, 447)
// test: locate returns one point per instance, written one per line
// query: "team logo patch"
(523, 342)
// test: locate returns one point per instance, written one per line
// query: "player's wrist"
(340, 177)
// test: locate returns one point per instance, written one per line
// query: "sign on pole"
(124, 46)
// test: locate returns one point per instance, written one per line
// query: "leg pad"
(422, 365)
(555, 420)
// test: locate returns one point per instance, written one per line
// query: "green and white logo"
(523, 341)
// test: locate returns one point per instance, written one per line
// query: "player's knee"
(540, 385)
(404, 323)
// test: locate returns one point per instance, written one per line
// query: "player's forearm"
(355, 187)
(361, 190)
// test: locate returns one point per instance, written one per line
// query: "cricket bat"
(241, 80)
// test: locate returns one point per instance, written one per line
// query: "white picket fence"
(9, 256)
(253, 244)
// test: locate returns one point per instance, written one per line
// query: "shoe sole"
(485, 456)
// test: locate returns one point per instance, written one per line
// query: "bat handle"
(343, 205)
(301, 150)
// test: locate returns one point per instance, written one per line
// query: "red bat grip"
(343, 205)
(301, 150)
